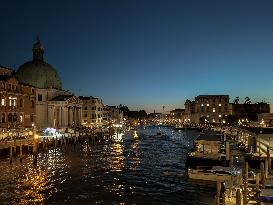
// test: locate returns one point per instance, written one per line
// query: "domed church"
(54, 107)
(37, 72)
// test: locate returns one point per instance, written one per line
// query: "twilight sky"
(146, 53)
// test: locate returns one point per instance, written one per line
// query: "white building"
(65, 111)
(92, 111)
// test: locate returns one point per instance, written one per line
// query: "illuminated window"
(213, 109)
(213, 120)
(207, 104)
(220, 115)
(21, 118)
(3, 102)
(220, 104)
(202, 104)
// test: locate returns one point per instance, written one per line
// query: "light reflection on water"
(136, 168)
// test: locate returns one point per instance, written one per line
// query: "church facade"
(54, 107)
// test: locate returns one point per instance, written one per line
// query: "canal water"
(139, 167)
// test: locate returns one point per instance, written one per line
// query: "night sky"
(146, 54)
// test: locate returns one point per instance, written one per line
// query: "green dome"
(37, 72)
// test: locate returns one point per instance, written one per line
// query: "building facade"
(92, 111)
(115, 115)
(177, 114)
(207, 109)
(17, 105)
(250, 111)
(65, 111)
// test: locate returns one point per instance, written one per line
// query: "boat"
(214, 173)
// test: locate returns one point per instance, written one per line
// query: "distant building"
(113, 114)
(17, 105)
(177, 114)
(92, 112)
(265, 119)
(250, 111)
(155, 116)
(207, 108)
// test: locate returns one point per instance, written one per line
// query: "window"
(3, 117)
(10, 117)
(207, 105)
(213, 109)
(40, 97)
(3, 101)
(85, 115)
(220, 104)
(32, 118)
(220, 115)
(21, 103)
(32, 103)
(32, 90)
(14, 117)
(202, 104)
(85, 108)
(21, 117)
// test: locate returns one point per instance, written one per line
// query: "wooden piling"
(10, 155)
(238, 197)
(268, 159)
(43, 144)
(21, 152)
(245, 191)
(262, 174)
(266, 168)
(35, 153)
(218, 193)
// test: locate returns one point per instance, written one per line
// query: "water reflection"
(137, 167)
(31, 187)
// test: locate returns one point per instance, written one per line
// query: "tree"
(247, 100)
(124, 109)
(236, 100)
(142, 114)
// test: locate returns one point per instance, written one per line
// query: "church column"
(75, 115)
(68, 117)
(71, 116)
(65, 117)
(60, 117)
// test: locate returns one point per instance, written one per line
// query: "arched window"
(10, 117)
(14, 117)
(21, 102)
(3, 117)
